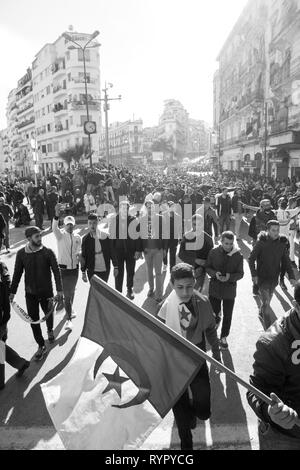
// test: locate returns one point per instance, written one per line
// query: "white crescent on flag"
(77, 400)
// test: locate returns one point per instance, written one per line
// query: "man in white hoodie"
(68, 247)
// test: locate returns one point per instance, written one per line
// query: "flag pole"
(97, 282)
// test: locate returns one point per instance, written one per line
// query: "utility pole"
(266, 166)
(106, 100)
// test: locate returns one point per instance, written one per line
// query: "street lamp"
(68, 37)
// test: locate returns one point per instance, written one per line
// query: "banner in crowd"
(25, 317)
(126, 374)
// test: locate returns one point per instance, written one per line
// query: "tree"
(165, 145)
(73, 153)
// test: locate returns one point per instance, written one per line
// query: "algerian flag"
(128, 371)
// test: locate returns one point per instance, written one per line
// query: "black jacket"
(4, 294)
(277, 370)
(122, 242)
(38, 266)
(235, 201)
(224, 206)
(88, 253)
(267, 258)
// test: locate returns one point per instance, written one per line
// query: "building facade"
(49, 105)
(125, 142)
(174, 127)
(257, 91)
(198, 138)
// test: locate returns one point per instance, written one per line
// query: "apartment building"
(257, 91)
(125, 142)
(49, 104)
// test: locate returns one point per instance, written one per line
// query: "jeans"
(110, 192)
(11, 357)
(129, 260)
(171, 249)
(238, 221)
(39, 219)
(292, 235)
(69, 279)
(154, 260)
(224, 222)
(33, 303)
(266, 292)
(271, 439)
(228, 305)
(184, 411)
(103, 275)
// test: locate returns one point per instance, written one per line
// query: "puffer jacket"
(276, 368)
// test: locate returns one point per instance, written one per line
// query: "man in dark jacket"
(276, 372)
(126, 249)
(224, 210)
(225, 267)
(11, 357)
(266, 261)
(259, 221)
(154, 245)
(210, 219)
(38, 206)
(38, 262)
(8, 214)
(97, 253)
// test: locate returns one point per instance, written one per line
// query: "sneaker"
(69, 325)
(165, 268)
(40, 353)
(23, 368)
(130, 295)
(51, 338)
(60, 305)
(223, 344)
(74, 315)
(150, 293)
(282, 285)
(255, 290)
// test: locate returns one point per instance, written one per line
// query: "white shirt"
(68, 246)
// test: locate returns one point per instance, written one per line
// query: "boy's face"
(184, 289)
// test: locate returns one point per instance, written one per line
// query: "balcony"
(58, 107)
(81, 105)
(27, 122)
(24, 93)
(60, 128)
(59, 88)
(58, 66)
(30, 105)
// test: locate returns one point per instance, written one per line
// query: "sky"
(151, 50)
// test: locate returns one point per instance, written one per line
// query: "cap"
(31, 231)
(69, 220)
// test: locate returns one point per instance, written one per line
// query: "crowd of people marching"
(190, 223)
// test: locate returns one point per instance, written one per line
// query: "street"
(25, 423)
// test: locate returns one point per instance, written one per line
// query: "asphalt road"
(24, 420)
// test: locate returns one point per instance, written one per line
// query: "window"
(55, 147)
(69, 77)
(48, 90)
(44, 149)
(71, 120)
(43, 112)
(83, 119)
(87, 55)
(68, 55)
(49, 127)
(67, 124)
(49, 148)
(49, 108)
